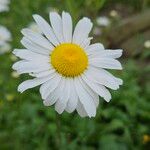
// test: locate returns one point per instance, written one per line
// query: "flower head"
(69, 69)
(5, 37)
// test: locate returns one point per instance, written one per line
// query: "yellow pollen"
(70, 60)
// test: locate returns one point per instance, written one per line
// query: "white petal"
(63, 97)
(43, 73)
(34, 47)
(102, 77)
(29, 55)
(82, 30)
(107, 54)
(119, 81)
(80, 109)
(107, 74)
(99, 89)
(112, 53)
(85, 98)
(73, 98)
(91, 92)
(54, 95)
(46, 29)
(16, 64)
(56, 23)
(97, 47)
(31, 66)
(37, 38)
(28, 84)
(107, 63)
(67, 27)
(86, 43)
(49, 86)
(51, 99)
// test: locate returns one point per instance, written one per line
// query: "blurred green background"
(122, 124)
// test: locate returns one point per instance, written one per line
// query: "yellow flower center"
(70, 60)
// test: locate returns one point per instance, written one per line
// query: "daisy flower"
(5, 37)
(4, 5)
(70, 70)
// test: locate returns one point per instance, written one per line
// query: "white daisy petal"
(112, 53)
(102, 77)
(107, 63)
(31, 66)
(56, 23)
(34, 27)
(28, 84)
(99, 89)
(44, 73)
(82, 30)
(73, 98)
(97, 47)
(37, 38)
(67, 27)
(63, 97)
(107, 74)
(49, 86)
(86, 43)
(29, 55)
(85, 99)
(91, 92)
(80, 109)
(51, 99)
(107, 54)
(54, 95)
(34, 47)
(46, 29)
(119, 81)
